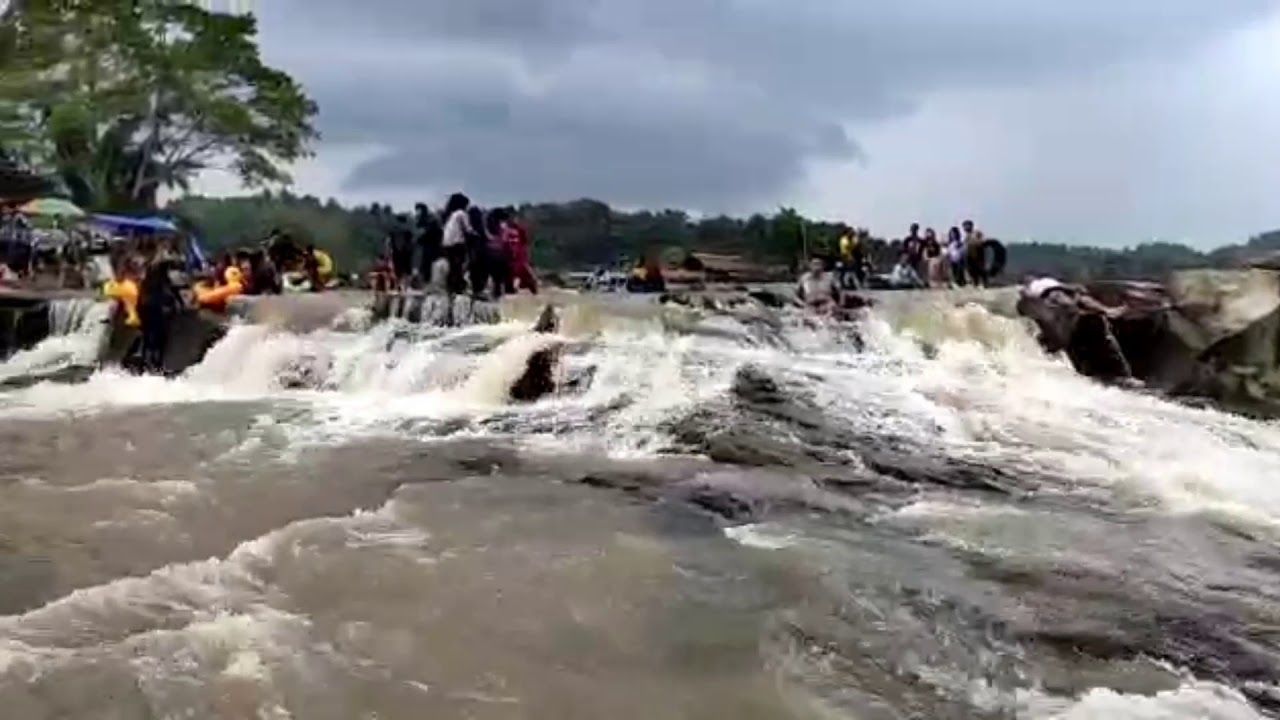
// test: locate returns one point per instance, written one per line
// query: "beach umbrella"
(51, 207)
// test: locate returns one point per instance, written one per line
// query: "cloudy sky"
(1102, 121)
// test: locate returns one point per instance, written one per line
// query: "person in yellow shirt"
(850, 259)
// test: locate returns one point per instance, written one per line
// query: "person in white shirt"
(1070, 319)
(1054, 290)
(454, 243)
(817, 288)
(904, 274)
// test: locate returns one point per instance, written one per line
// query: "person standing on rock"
(453, 242)
(159, 301)
(478, 265)
(430, 235)
(400, 244)
(913, 249)
(955, 256)
(975, 254)
(849, 246)
(519, 252)
(935, 262)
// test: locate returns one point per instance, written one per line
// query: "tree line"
(586, 234)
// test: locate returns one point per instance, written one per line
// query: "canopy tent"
(145, 225)
(195, 255)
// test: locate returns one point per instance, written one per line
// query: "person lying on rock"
(1071, 320)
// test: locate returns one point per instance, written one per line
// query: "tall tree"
(124, 99)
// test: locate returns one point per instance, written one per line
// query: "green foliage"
(586, 233)
(121, 100)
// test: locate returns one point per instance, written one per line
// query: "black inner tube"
(999, 256)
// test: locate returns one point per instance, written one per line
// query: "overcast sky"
(1102, 121)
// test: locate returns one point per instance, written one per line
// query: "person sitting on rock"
(904, 275)
(817, 288)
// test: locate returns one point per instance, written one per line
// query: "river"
(744, 516)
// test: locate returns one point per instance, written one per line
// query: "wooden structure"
(732, 268)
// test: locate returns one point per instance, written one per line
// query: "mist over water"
(746, 514)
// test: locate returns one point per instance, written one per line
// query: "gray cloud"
(715, 104)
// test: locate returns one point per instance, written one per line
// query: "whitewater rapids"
(746, 515)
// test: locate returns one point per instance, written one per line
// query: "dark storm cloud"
(704, 103)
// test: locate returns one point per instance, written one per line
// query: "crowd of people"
(463, 249)
(27, 252)
(923, 261)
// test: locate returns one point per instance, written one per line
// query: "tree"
(122, 100)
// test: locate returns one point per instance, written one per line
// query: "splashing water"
(943, 523)
(78, 328)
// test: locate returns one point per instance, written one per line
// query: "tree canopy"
(120, 100)
(587, 233)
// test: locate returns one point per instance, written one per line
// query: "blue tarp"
(120, 222)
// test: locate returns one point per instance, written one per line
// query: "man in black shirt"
(158, 302)
(430, 237)
(400, 240)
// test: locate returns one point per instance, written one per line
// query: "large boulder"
(1212, 334)
(191, 334)
(299, 313)
(24, 320)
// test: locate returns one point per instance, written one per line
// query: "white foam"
(958, 378)
(78, 328)
(1192, 701)
(760, 536)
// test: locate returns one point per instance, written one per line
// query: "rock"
(434, 309)
(770, 299)
(191, 334)
(297, 313)
(1205, 334)
(24, 320)
(542, 367)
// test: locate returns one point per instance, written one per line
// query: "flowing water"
(744, 516)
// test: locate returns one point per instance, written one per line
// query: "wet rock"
(1211, 334)
(434, 309)
(25, 317)
(543, 367)
(753, 385)
(68, 375)
(770, 299)
(919, 469)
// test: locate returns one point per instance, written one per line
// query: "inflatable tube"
(216, 298)
(126, 293)
(999, 256)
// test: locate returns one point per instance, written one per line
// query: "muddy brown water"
(743, 517)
